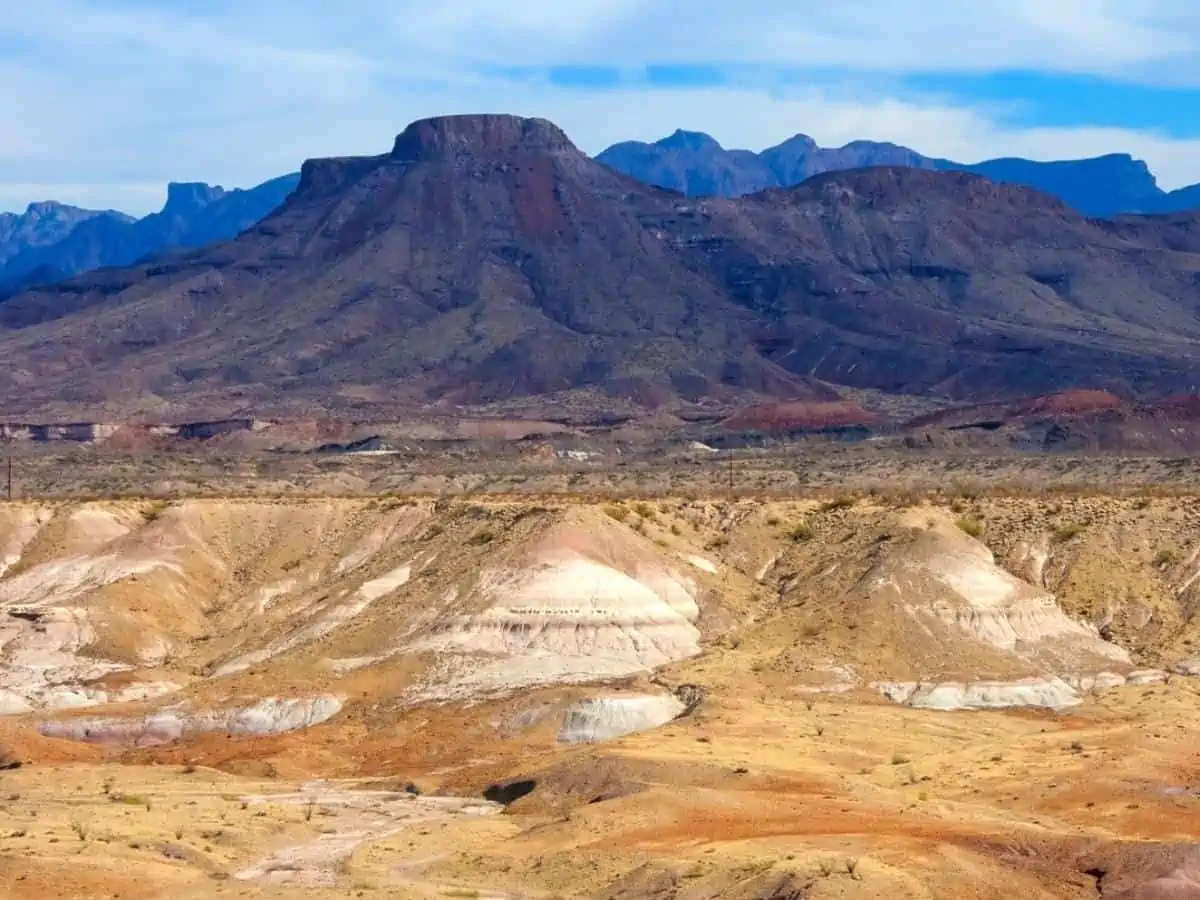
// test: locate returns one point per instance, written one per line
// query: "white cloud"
(108, 99)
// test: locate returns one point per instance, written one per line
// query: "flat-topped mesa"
(477, 135)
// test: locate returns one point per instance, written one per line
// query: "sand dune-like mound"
(198, 607)
(198, 602)
(586, 599)
(938, 623)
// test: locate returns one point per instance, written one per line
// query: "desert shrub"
(969, 526)
(845, 501)
(155, 511)
(616, 512)
(801, 532)
(129, 799)
(1165, 558)
(1067, 532)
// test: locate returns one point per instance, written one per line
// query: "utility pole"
(8, 465)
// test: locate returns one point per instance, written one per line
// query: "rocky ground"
(851, 695)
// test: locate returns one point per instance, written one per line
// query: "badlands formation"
(555, 697)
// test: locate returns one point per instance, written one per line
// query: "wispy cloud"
(104, 98)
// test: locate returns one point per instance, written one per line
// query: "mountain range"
(52, 241)
(694, 163)
(485, 259)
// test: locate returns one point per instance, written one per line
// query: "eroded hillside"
(679, 698)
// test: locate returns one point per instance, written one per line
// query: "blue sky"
(107, 100)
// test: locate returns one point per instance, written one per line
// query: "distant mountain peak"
(43, 208)
(187, 197)
(799, 142)
(471, 135)
(689, 140)
(694, 163)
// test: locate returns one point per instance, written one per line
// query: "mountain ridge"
(194, 214)
(690, 162)
(1102, 186)
(486, 259)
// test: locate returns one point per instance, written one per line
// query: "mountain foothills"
(52, 242)
(486, 259)
(694, 163)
